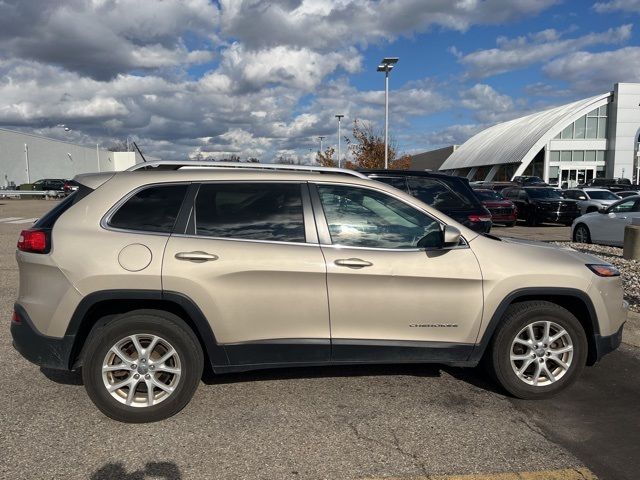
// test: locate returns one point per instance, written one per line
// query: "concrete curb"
(631, 332)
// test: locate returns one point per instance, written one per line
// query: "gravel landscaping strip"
(629, 269)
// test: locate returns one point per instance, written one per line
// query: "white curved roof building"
(594, 137)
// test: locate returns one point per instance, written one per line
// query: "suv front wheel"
(142, 366)
(539, 349)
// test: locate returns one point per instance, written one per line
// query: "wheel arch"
(575, 301)
(107, 303)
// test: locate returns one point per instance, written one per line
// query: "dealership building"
(25, 158)
(566, 145)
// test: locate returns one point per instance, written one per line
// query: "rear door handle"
(196, 256)
(352, 263)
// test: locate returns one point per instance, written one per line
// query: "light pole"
(26, 159)
(339, 117)
(321, 138)
(386, 66)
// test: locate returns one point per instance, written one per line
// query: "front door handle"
(196, 256)
(352, 263)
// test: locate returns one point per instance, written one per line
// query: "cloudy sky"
(265, 78)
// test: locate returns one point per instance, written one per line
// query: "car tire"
(532, 219)
(164, 382)
(510, 224)
(531, 371)
(581, 234)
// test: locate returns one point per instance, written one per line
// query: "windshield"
(602, 195)
(544, 193)
(488, 195)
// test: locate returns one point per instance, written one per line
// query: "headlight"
(604, 270)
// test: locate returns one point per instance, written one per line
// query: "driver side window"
(628, 206)
(359, 217)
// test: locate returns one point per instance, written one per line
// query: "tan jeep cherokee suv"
(140, 277)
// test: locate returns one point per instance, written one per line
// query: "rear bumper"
(609, 343)
(499, 218)
(45, 351)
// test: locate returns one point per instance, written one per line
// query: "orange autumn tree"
(325, 159)
(367, 149)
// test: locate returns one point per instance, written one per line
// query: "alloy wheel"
(541, 353)
(141, 370)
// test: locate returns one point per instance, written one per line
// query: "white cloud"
(271, 75)
(330, 24)
(597, 72)
(520, 52)
(616, 5)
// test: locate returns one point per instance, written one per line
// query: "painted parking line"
(8, 219)
(564, 474)
(24, 220)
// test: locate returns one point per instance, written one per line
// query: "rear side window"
(439, 194)
(251, 211)
(152, 209)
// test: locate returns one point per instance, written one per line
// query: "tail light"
(34, 241)
(15, 318)
(479, 218)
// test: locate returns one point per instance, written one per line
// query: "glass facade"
(590, 126)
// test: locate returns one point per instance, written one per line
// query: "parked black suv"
(451, 195)
(530, 181)
(46, 184)
(542, 204)
(611, 184)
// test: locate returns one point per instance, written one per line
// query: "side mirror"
(451, 237)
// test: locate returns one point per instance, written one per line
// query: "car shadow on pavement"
(476, 376)
(156, 470)
(334, 371)
(473, 376)
(62, 376)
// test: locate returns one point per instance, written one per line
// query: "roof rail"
(177, 165)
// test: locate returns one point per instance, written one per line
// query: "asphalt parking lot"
(402, 422)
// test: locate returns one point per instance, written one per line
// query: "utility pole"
(321, 138)
(26, 159)
(98, 157)
(339, 117)
(386, 66)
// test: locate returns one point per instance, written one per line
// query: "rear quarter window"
(152, 209)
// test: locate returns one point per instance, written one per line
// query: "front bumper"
(609, 343)
(557, 217)
(45, 351)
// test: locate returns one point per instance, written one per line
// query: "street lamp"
(339, 117)
(386, 66)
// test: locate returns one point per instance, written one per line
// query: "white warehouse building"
(25, 158)
(567, 145)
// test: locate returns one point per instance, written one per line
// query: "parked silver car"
(591, 199)
(607, 226)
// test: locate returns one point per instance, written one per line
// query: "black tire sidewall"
(586, 230)
(166, 326)
(516, 319)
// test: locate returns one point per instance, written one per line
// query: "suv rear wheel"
(539, 349)
(143, 366)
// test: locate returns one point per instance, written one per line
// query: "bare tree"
(367, 149)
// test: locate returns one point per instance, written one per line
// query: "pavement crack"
(395, 445)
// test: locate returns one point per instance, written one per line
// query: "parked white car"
(591, 199)
(606, 226)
